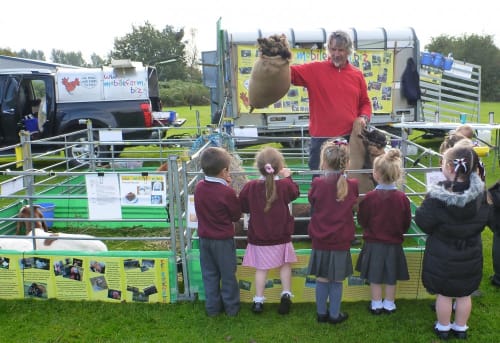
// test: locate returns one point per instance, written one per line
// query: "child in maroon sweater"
(217, 207)
(385, 216)
(270, 226)
(331, 229)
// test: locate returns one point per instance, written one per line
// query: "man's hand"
(365, 120)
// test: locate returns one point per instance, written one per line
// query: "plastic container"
(31, 124)
(463, 118)
(481, 151)
(438, 60)
(426, 59)
(47, 209)
(448, 63)
(172, 117)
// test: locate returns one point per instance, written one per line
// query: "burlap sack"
(269, 81)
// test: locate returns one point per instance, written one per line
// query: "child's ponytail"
(270, 162)
(342, 187)
(270, 186)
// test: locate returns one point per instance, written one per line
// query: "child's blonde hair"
(450, 141)
(465, 130)
(335, 157)
(269, 161)
(388, 166)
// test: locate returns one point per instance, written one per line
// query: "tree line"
(176, 60)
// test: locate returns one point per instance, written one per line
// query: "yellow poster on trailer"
(377, 67)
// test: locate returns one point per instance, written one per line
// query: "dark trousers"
(496, 256)
(218, 270)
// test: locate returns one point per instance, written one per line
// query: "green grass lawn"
(185, 321)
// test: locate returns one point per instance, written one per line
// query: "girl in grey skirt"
(385, 216)
(331, 229)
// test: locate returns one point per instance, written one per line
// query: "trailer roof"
(375, 38)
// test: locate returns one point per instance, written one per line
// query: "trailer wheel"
(78, 151)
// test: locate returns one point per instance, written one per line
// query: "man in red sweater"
(337, 94)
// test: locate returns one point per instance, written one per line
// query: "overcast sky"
(92, 25)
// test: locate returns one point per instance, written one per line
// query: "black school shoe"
(285, 304)
(341, 317)
(443, 335)
(386, 311)
(375, 311)
(323, 318)
(257, 307)
(459, 334)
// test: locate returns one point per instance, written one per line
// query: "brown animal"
(364, 146)
(163, 167)
(25, 212)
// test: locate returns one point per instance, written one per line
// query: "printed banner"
(304, 286)
(70, 277)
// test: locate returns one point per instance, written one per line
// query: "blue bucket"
(438, 60)
(172, 116)
(448, 63)
(47, 209)
(426, 59)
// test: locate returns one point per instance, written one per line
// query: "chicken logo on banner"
(70, 85)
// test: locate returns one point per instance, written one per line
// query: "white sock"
(443, 327)
(459, 328)
(376, 304)
(286, 292)
(257, 299)
(389, 305)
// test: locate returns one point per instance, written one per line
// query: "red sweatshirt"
(385, 216)
(276, 225)
(336, 96)
(217, 207)
(332, 222)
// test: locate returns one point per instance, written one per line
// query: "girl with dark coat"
(494, 200)
(453, 214)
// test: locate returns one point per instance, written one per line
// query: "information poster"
(143, 190)
(103, 199)
(69, 277)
